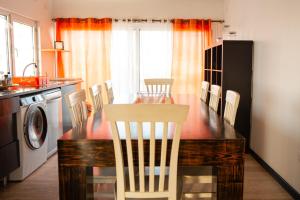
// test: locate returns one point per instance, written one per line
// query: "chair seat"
(194, 182)
(102, 182)
(198, 182)
(102, 175)
(156, 180)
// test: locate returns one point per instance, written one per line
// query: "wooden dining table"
(206, 140)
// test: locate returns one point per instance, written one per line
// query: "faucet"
(35, 65)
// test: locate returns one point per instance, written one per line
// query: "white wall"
(139, 8)
(274, 25)
(39, 10)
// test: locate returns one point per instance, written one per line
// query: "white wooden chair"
(159, 86)
(109, 91)
(76, 102)
(137, 114)
(231, 106)
(96, 96)
(215, 92)
(204, 90)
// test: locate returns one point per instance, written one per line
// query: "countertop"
(25, 90)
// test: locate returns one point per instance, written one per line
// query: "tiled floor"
(43, 184)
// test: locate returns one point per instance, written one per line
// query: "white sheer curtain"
(139, 51)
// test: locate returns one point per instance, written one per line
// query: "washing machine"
(32, 135)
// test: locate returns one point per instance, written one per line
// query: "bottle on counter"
(9, 79)
(1, 75)
(4, 81)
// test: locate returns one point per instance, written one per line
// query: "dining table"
(206, 140)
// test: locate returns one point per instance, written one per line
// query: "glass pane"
(3, 44)
(23, 48)
(155, 55)
(124, 63)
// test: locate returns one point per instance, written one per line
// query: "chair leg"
(4, 181)
(115, 191)
(179, 188)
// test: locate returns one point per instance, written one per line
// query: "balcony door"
(139, 51)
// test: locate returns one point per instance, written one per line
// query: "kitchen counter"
(24, 90)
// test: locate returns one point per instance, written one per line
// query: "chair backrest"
(158, 86)
(231, 106)
(204, 90)
(159, 116)
(109, 91)
(76, 102)
(96, 96)
(215, 92)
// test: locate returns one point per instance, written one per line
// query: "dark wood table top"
(202, 124)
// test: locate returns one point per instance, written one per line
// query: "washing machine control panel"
(31, 99)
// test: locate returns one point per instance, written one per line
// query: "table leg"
(230, 182)
(89, 186)
(72, 183)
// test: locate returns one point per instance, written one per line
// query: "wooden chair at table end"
(215, 93)
(204, 90)
(96, 96)
(109, 91)
(158, 86)
(231, 106)
(76, 102)
(140, 113)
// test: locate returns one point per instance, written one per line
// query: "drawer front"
(9, 106)
(9, 158)
(8, 129)
(8, 120)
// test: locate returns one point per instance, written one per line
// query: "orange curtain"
(190, 38)
(89, 43)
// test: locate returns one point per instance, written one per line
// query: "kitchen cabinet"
(9, 144)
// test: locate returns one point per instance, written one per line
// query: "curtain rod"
(136, 20)
(154, 20)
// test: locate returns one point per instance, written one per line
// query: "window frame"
(13, 17)
(8, 35)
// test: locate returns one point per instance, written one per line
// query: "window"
(139, 51)
(4, 59)
(18, 46)
(24, 48)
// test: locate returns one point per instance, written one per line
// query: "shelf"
(216, 70)
(214, 45)
(55, 50)
(224, 69)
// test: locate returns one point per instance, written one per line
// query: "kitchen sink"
(30, 80)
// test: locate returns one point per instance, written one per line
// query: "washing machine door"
(35, 125)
